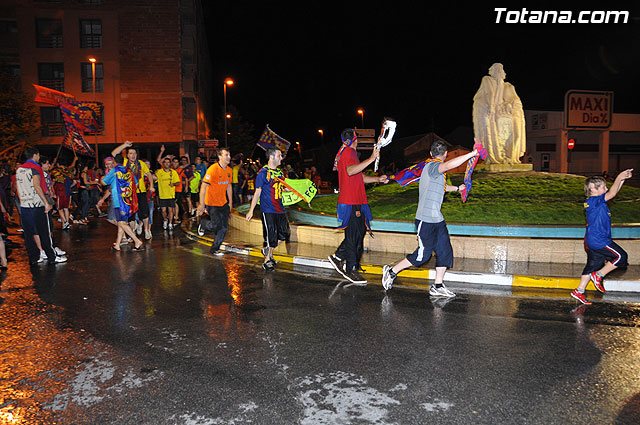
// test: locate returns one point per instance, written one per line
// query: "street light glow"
(228, 82)
(92, 59)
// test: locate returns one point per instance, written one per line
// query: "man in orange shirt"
(216, 196)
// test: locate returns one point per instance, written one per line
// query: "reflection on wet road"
(172, 335)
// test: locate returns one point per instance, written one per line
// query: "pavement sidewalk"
(469, 271)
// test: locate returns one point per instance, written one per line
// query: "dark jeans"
(218, 223)
(352, 246)
(36, 222)
(88, 199)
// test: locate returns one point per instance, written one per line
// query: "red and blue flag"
(270, 139)
(83, 115)
(409, 175)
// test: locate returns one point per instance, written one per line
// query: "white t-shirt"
(24, 181)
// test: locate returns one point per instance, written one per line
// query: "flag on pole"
(83, 115)
(73, 140)
(50, 96)
(270, 139)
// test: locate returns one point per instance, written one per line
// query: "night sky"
(311, 65)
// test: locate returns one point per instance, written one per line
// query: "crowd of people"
(130, 191)
(78, 190)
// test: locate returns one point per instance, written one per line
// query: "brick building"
(151, 73)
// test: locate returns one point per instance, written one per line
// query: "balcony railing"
(91, 41)
(57, 84)
(50, 129)
(50, 41)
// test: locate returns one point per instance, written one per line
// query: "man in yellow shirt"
(167, 181)
(139, 170)
(217, 198)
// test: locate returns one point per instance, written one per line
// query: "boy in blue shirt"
(600, 247)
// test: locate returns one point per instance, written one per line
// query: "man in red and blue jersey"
(269, 186)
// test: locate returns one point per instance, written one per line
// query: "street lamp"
(227, 82)
(361, 113)
(93, 78)
(321, 131)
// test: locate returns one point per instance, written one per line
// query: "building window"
(51, 75)
(51, 121)
(48, 33)
(87, 77)
(8, 28)
(90, 33)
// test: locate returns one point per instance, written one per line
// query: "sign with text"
(588, 109)
(366, 138)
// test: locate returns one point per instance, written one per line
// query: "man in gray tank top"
(430, 224)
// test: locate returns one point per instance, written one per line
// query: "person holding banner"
(353, 209)
(269, 188)
(139, 169)
(431, 227)
(216, 196)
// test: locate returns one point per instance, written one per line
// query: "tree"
(18, 116)
(241, 135)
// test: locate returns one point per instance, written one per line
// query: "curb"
(501, 280)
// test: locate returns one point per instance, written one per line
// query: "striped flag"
(73, 140)
(409, 175)
(270, 139)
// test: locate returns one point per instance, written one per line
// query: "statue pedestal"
(497, 168)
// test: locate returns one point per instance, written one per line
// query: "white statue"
(498, 118)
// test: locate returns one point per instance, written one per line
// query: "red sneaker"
(597, 282)
(580, 297)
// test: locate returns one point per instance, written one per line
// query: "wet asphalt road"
(173, 335)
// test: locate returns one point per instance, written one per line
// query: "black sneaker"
(339, 265)
(354, 277)
(269, 266)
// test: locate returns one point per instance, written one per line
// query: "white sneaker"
(58, 251)
(440, 292)
(388, 276)
(165, 224)
(59, 259)
(43, 257)
(200, 230)
(139, 229)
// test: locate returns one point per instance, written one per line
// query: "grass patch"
(498, 198)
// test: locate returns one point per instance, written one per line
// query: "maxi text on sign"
(588, 109)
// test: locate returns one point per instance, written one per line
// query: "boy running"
(603, 254)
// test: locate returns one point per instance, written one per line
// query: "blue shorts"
(119, 216)
(611, 252)
(432, 237)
